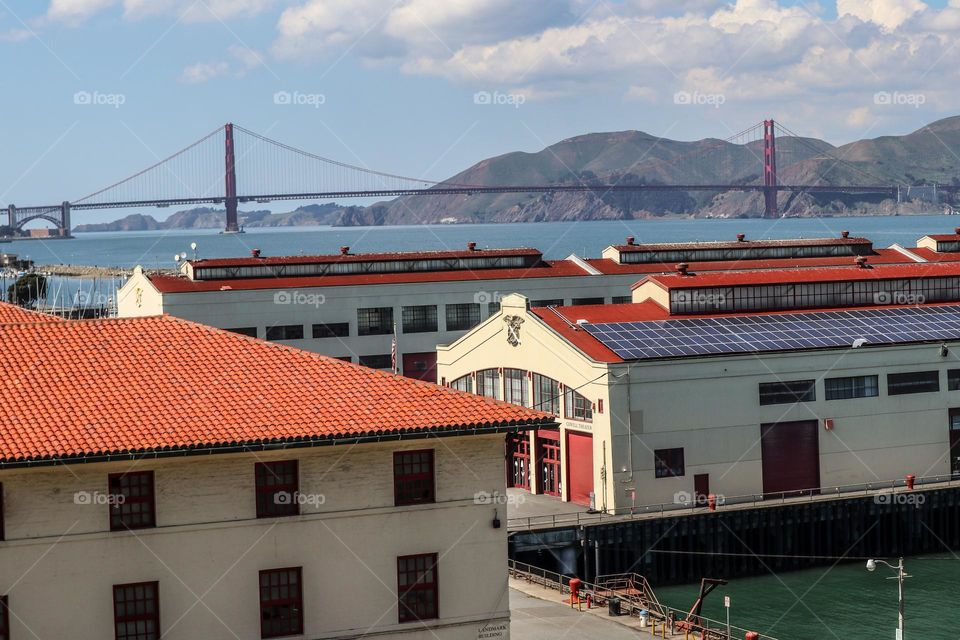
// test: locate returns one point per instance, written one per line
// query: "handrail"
(708, 628)
(577, 518)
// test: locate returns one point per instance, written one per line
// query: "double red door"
(548, 461)
(518, 460)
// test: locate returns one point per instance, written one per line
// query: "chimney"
(255, 253)
(471, 246)
(682, 268)
(741, 237)
(844, 234)
(630, 240)
(862, 262)
(344, 251)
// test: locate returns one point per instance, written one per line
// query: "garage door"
(579, 467)
(791, 456)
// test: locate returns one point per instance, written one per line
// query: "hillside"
(930, 155)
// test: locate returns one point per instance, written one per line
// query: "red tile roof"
(363, 257)
(944, 237)
(739, 244)
(124, 386)
(786, 276)
(547, 269)
(12, 313)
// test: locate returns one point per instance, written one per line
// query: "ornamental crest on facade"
(513, 329)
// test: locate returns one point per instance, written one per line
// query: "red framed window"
(132, 504)
(136, 611)
(413, 478)
(417, 587)
(4, 619)
(278, 486)
(281, 602)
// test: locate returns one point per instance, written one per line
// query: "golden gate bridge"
(232, 165)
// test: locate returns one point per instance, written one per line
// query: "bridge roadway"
(527, 512)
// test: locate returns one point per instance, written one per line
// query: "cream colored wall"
(652, 291)
(59, 562)
(926, 242)
(540, 351)
(138, 297)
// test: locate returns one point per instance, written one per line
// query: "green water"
(844, 602)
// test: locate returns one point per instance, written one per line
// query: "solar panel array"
(783, 332)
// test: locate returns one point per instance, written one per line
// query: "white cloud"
(74, 12)
(243, 61)
(889, 14)
(204, 72)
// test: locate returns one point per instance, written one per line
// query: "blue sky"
(398, 78)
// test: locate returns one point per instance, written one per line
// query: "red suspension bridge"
(233, 165)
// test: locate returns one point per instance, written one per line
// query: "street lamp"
(901, 574)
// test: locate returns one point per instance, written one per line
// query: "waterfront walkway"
(537, 614)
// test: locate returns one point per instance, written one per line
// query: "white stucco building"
(347, 305)
(159, 478)
(771, 382)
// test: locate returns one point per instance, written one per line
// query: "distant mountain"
(930, 155)
(208, 218)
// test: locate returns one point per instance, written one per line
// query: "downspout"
(629, 478)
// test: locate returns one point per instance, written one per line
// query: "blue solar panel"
(784, 332)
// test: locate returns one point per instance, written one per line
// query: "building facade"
(163, 479)
(353, 306)
(660, 409)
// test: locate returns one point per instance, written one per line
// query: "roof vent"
(844, 234)
(862, 262)
(630, 240)
(581, 322)
(344, 251)
(957, 231)
(741, 237)
(255, 253)
(471, 246)
(682, 268)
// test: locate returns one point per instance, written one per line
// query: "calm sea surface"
(842, 603)
(555, 239)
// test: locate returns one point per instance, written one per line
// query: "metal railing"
(699, 505)
(673, 619)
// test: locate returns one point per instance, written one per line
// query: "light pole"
(901, 574)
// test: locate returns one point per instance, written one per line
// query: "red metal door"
(579, 467)
(701, 488)
(518, 460)
(548, 461)
(422, 366)
(791, 457)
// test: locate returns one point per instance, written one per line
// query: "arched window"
(488, 383)
(463, 383)
(546, 394)
(515, 388)
(577, 407)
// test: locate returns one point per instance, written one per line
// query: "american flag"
(393, 350)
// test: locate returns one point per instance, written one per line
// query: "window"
(852, 387)
(463, 383)
(492, 308)
(245, 331)
(787, 392)
(4, 619)
(546, 394)
(461, 317)
(285, 332)
(420, 319)
(379, 361)
(281, 603)
(577, 407)
(953, 380)
(582, 301)
(331, 330)
(136, 611)
(515, 387)
(417, 587)
(621, 299)
(913, 382)
(277, 488)
(413, 481)
(375, 322)
(668, 463)
(558, 302)
(488, 383)
(131, 500)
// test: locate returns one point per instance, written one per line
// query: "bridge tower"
(230, 182)
(769, 170)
